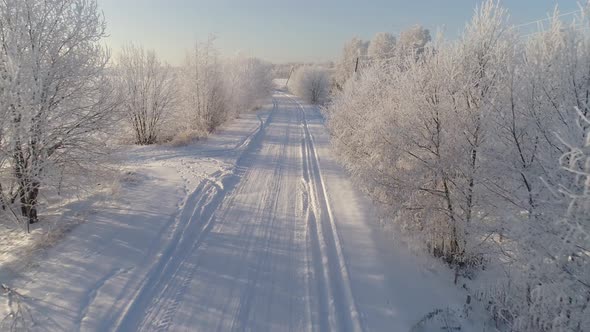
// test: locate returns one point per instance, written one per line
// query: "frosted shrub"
(312, 83)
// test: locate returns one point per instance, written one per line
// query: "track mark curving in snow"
(93, 293)
(154, 302)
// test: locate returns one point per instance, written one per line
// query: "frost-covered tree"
(440, 106)
(54, 94)
(5, 170)
(248, 81)
(204, 88)
(312, 83)
(353, 51)
(215, 89)
(484, 51)
(414, 38)
(381, 46)
(149, 89)
(572, 258)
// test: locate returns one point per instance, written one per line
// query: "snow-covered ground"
(257, 228)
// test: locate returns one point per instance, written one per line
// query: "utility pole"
(290, 73)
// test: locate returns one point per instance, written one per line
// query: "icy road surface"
(255, 229)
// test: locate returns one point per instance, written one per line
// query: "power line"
(546, 19)
(578, 27)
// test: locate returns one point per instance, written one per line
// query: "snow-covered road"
(266, 233)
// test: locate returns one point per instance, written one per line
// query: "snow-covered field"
(256, 228)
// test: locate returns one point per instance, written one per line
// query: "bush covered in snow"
(150, 92)
(475, 148)
(312, 83)
(162, 103)
(216, 89)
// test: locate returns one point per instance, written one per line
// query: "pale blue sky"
(281, 31)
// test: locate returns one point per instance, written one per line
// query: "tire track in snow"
(160, 314)
(317, 271)
(241, 318)
(335, 290)
(196, 220)
(308, 253)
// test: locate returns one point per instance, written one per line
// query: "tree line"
(63, 97)
(479, 149)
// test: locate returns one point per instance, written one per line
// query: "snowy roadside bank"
(89, 273)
